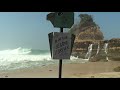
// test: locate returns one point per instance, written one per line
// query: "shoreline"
(69, 70)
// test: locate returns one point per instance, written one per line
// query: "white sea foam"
(22, 58)
(20, 55)
(17, 51)
(88, 55)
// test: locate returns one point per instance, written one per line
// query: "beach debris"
(50, 70)
(6, 76)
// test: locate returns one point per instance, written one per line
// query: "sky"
(30, 29)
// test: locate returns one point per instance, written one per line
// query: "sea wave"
(24, 57)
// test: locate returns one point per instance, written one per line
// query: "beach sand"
(71, 70)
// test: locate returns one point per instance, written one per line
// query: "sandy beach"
(72, 70)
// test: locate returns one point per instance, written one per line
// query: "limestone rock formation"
(87, 29)
(88, 32)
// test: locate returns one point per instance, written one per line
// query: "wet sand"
(72, 70)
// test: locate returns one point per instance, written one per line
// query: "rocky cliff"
(88, 34)
(87, 29)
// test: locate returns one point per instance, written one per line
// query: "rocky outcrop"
(114, 49)
(87, 29)
(81, 48)
(88, 32)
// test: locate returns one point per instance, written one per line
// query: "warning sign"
(61, 45)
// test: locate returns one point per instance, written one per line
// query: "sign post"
(61, 43)
(60, 61)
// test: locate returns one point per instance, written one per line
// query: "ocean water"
(20, 58)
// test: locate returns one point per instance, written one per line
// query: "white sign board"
(61, 45)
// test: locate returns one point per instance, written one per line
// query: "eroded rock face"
(113, 50)
(88, 32)
(81, 48)
(87, 29)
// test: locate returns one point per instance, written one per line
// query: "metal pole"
(60, 61)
